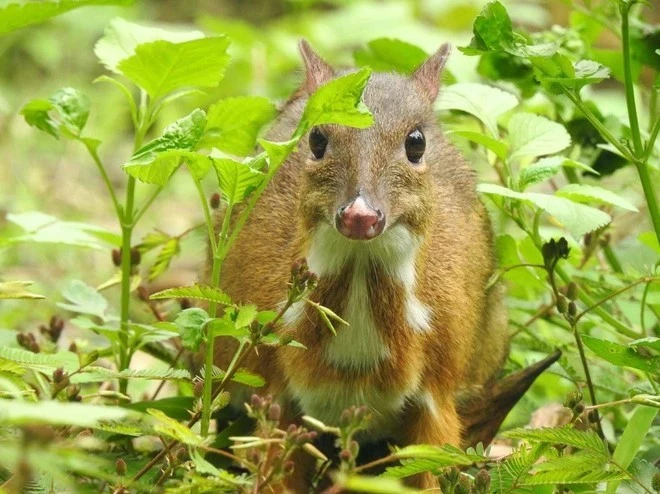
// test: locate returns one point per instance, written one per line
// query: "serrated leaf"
(246, 315)
(234, 123)
(533, 135)
(226, 327)
(17, 290)
(582, 192)
(156, 161)
(390, 55)
(621, 355)
(242, 376)
(236, 179)
(17, 15)
(169, 250)
(427, 458)
(484, 102)
(161, 67)
(338, 102)
(171, 428)
(41, 362)
(546, 168)
(16, 412)
(561, 435)
(64, 113)
(122, 37)
(576, 218)
(191, 323)
(197, 292)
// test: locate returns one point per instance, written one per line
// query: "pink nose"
(360, 221)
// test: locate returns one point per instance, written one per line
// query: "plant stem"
(649, 193)
(99, 164)
(629, 83)
(587, 376)
(139, 212)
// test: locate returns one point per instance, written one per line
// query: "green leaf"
(224, 326)
(161, 67)
(17, 15)
(197, 292)
(242, 376)
(581, 192)
(492, 29)
(64, 113)
(484, 102)
(234, 123)
(338, 102)
(649, 342)
(576, 218)
(236, 179)
(84, 299)
(170, 249)
(427, 458)
(533, 135)
(122, 37)
(40, 362)
(156, 161)
(15, 412)
(390, 55)
(621, 355)
(246, 315)
(191, 323)
(495, 145)
(176, 407)
(559, 70)
(373, 485)
(631, 440)
(171, 428)
(17, 289)
(546, 168)
(43, 228)
(567, 435)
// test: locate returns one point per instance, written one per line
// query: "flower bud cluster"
(302, 280)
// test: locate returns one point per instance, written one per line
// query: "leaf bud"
(120, 467)
(464, 485)
(116, 257)
(482, 482)
(285, 339)
(549, 251)
(345, 455)
(198, 388)
(274, 412)
(73, 347)
(562, 248)
(655, 482)
(214, 201)
(562, 304)
(592, 416)
(136, 257)
(573, 398)
(292, 429)
(572, 291)
(256, 401)
(354, 448)
(572, 309)
(452, 474)
(72, 393)
(58, 375)
(579, 408)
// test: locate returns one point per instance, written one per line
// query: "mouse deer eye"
(415, 145)
(317, 143)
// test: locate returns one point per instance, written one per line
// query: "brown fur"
(467, 340)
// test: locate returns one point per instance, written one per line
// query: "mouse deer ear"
(317, 70)
(427, 76)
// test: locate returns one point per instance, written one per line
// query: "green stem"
(607, 135)
(649, 193)
(99, 164)
(629, 83)
(140, 211)
(612, 259)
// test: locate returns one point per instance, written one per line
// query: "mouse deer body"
(389, 220)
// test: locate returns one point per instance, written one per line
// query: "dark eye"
(415, 146)
(317, 143)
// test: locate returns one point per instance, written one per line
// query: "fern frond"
(560, 435)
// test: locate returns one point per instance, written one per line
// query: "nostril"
(379, 214)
